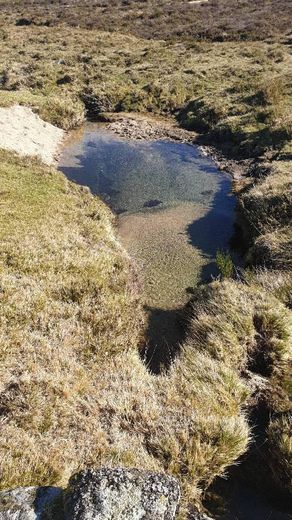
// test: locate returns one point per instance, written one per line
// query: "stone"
(144, 128)
(121, 494)
(199, 516)
(31, 503)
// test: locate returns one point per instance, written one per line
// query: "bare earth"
(146, 126)
(26, 133)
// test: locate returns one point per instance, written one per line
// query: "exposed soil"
(144, 126)
(26, 133)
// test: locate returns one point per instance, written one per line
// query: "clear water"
(135, 177)
(175, 210)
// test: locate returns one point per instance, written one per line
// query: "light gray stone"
(31, 503)
(199, 516)
(121, 494)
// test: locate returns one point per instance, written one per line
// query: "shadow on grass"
(165, 333)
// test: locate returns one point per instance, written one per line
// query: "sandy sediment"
(23, 131)
(159, 242)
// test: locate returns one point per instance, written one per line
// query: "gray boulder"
(31, 503)
(121, 494)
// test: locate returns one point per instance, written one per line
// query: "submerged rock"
(152, 203)
(121, 494)
(31, 503)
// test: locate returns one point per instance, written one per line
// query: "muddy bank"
(144, 126)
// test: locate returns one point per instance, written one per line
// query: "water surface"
(175, 210)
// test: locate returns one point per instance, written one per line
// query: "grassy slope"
(222, 89)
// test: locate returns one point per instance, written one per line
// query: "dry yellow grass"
(275, 282)
(66, 300)
(246, 328)
(268, 203)
(280, 451)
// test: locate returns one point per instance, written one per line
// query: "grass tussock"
(274, 249)
(275, 282)
(235, 323)
(268, 204)
(267, 207)
(280, 451)
(248, 330)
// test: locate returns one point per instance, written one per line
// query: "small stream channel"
(174, 210)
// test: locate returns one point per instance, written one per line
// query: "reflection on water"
(174, 209)
(132, 175)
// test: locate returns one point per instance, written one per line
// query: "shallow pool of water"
(175, 210)
(174, 207)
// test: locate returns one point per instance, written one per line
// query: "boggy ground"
(74, 391)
